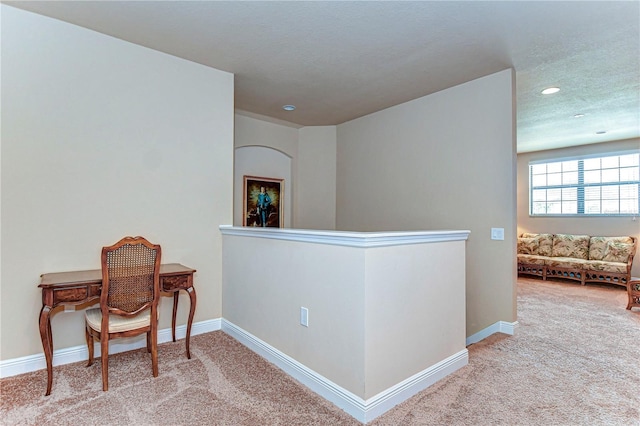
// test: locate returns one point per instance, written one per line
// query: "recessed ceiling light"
(550, 90)
(578, 116)
(289, 107)
(601, 132)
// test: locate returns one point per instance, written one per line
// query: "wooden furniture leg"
(192, 310)
(47, 344)
(173, 318)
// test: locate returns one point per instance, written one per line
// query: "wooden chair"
(633, 291)
(128, 300)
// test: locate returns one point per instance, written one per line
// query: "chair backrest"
(130, 276)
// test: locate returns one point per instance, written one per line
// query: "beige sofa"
(577, 257)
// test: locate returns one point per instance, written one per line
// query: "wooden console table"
(83, 288)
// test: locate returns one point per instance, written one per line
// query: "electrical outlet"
(304, 316)
(497, 233)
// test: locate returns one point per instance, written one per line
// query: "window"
(604, 186)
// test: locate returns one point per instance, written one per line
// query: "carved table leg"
(192, 310)
(47, 344)
(173, 318)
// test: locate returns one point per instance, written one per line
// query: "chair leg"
(154, 349)
(149, 342)
(89, 338)
(104, 353)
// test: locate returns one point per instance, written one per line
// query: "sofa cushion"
(532, 259)
(597, 245)
(573, 246)
(528, 245)
(545, 242)
(602, 266)
(617, 252)
(566, 262)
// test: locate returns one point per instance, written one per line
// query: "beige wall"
(604, 226)
(316, 184)
(264, 298)
(312, 151)
(444, 161)
(260, 161)
(366, 303)
(252, 131)
(408, 157)
(79, 125)
(102, 139)
(414, 310)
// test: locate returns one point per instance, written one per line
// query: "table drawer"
(76, 295)
(177, 282)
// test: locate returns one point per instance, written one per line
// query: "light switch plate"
(497, 233)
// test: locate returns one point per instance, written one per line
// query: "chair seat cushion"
(117, 323)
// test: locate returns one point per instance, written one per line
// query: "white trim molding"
(27, 364)
(346, 238)
(362, 410)
(498, 327)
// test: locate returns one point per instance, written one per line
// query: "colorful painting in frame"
(263, 202)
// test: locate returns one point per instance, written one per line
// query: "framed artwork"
(263, 202)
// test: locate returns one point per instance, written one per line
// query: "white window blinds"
(608, 186)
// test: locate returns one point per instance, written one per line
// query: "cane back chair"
(128, 300)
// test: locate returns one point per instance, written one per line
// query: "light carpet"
(574, 360)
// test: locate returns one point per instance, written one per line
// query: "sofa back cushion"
(528, 245)
(568, 245)
(617, 251)
(598, 245)
(544, 242)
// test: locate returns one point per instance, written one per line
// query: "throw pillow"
(527, 245)
(617, 252)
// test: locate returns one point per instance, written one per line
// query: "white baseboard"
(362, 410)
(13, 367)
(498, 327)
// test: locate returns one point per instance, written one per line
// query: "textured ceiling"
(340, 60)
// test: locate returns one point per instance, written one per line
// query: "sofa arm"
(633, 252)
